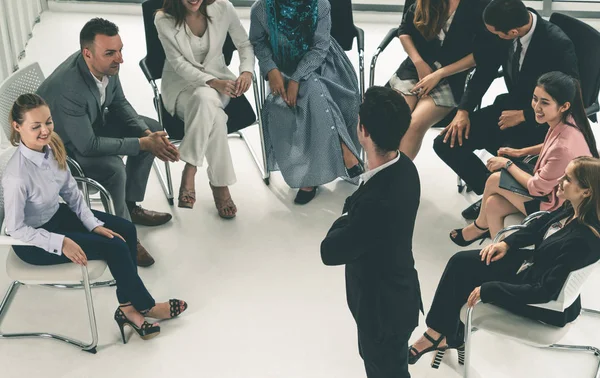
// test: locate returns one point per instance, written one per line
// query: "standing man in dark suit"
(98, 125)
(373, 238)
(528, 46)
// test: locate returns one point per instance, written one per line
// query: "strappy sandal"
(459, 239)
(175, 309)
(146, 331)
(223, 205)
(187, 198)
(413, 358)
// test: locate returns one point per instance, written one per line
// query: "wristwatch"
(508, 164)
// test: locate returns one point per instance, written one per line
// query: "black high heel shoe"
(460, 240)
(413, 358)
(439, 352)
(146, 331)
(439, 356)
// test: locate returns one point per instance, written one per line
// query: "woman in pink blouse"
(556, 101)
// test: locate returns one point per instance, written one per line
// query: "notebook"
(509, 183)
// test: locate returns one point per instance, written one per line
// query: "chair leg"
(259, 165)
(590, 311)
(165, 180)
(81, 286)
(469, 329)
(258, 101)
(91, 347)
(460, 184)
(579, 348)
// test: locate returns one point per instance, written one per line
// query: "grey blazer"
(74, 101)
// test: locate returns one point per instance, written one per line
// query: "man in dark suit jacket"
(528, 46)
(98, 125)
(373, 238)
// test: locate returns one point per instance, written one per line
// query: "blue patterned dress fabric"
(304, 142)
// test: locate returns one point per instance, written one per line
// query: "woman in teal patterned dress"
(311, 113)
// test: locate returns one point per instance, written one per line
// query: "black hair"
(506, 15)
(94, 27)
(386, 116)
(564, 88)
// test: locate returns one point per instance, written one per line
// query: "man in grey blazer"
(99, 126)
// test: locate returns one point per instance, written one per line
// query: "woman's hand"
(73, 252)
(103, 231)
(276, 83)
(242, 84)
(425, 85)
(493, 252)
(474, 297)
(226, 87)
(496, 163)
(511, 152)
(423, 69)
(292, 93)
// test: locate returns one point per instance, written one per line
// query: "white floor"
(262, 305)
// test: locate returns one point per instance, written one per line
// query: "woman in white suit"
(197, 86)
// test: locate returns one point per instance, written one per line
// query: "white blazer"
(181, 70)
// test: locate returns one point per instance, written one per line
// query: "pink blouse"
(563, 143)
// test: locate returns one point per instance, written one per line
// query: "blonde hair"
(587, 173)
(24, 104)
(430, 17)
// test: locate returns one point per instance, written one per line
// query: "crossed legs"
(425, 113)
(496, 204)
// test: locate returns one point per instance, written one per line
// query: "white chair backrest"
(25, 80)
(571, 289)
(5, 156)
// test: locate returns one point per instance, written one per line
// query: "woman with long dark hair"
(34, 179)
(311, 114)
(440, 38)
(556, 101)
(507, 275)
(196, 86)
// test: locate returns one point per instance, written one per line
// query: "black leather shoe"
(303, 197)
(472, 212)
(355, 171)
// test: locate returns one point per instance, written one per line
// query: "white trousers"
(202, 110)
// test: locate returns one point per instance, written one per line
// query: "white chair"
(68, 276)
(515, 222)
(27, 80)
(504, 323)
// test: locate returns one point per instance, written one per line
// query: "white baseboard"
(94, 7)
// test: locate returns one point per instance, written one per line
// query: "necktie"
(515, 60)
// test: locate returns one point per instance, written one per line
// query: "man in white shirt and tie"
(526, 48)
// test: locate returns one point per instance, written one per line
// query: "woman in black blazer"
(439, 37)
(565, 240)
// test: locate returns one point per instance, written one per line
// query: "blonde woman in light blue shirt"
(34, 179)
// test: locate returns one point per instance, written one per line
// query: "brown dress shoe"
(144, 259)
(145, 217)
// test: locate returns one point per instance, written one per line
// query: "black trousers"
(485, 134)
(385, 357)
(119, 255)
(465, 271)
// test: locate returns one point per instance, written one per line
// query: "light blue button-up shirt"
(32, 184)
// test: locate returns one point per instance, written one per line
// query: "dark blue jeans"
(119, 255)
